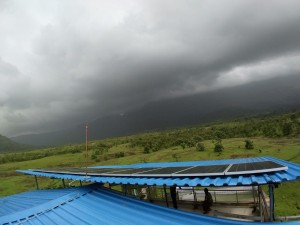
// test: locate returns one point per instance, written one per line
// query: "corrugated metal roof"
(20, 202)
(292, 173)
(95, 205)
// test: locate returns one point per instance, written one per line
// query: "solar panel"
(211, 170)
(79, 171)
(181, 171)
(162, 172)
(130, 171)
(254, 167)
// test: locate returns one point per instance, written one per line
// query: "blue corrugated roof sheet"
(95, 205)
(293, 173)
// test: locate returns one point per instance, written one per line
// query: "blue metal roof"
(292, 173)
(20, 202)
(95, 205)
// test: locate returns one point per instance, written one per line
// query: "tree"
(249, 144)
(218, 146)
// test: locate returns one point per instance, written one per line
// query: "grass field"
(287, 196)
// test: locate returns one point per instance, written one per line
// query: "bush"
(200, 146)
(119, 154)
(219, 147)
(249, 144)
(146, 149)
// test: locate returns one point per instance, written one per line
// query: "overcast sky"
(65, 62)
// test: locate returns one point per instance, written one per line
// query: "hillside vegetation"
(272, 135)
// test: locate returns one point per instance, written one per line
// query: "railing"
(287, 218)
(263, 206)
(243, 195)
(237, 216)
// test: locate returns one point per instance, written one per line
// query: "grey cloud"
(81, 61)
(7, 69)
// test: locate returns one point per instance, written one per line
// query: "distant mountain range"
(7, 145)
(270, 96)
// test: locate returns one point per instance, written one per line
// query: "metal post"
(271, 195)
(215, 196)
(125, 188)
(166, 196)
(80, 183)
(260, 206)
(237, 199)
(36, 183)
(86, 150)
(195, 196)
(173, 196)
(63, 183)
(149, 194)
(253, 195)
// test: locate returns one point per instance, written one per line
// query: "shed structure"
(94, 203)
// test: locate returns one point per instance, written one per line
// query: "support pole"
(149, 194)
(166, 196)
(125, 189)
(36, 183)
(63, 183)
(271, 195)
(80, 183)
(195, 199)
(173, 196)
(253, 193)
(86, 150)
(259, 203)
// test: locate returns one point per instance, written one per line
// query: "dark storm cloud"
(75, 61)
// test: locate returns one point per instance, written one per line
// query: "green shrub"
(200, 146)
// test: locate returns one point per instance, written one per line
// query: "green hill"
(7, 145)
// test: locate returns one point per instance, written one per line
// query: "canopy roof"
(95, 205)
(291, 173)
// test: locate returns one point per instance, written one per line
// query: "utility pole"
(86, 150)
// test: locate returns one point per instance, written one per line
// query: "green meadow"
(275, 135)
